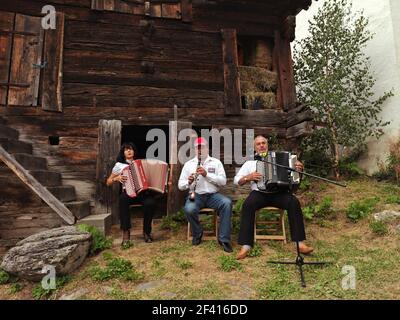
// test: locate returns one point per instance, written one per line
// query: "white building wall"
(384, 50)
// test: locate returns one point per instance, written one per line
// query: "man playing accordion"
(257, 199)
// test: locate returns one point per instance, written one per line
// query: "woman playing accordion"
(126, 157)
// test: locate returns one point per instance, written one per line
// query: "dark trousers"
(283, 200)
(148, 203)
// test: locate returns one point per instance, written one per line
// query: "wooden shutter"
(6, 29)
(231, 73)
(176, 197)
(25, 61)
(52, 72)
(109, 143)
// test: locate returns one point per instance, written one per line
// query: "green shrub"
(229, 263)
(379, 228)
(360, 209)
(15, 287)
(173, 221)
(324, 209)
(350, 169)
(184, 264)
(255, 251)
(305, 184)
(393, 199)
(38, 292)
(99, 241)
(116, 268)
(4, 277)
(238, 205)
(308, 212)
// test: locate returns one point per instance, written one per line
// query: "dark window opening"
(54, 140)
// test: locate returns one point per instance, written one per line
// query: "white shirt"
(248, 167)
(209, 184)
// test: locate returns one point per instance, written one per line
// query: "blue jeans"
(217, 201)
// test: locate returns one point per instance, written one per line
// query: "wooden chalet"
(113, 69)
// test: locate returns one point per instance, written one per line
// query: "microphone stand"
(299, 262)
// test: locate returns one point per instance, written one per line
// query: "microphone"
(260, 156)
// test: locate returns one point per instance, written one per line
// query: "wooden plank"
(103, 5)
(283, 65)
(29, 50)
(109, 143)
(36, 187)
(172, 11)
(176, 197)
(76, 94)
(231, 72)
(187, 10)
(52, 73)
(6, 24)
(299, 130)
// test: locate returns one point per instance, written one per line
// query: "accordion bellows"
(144, 174)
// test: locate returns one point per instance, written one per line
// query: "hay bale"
(260, 100)
(263, 79)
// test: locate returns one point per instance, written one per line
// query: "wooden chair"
(280, 225)
(207, 235)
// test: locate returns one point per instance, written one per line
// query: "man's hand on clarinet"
(299, 166)
(191, 179)
(201, 171)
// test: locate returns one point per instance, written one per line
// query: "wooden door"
(109, 143)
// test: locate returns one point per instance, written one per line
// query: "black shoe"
(147, 238)
(197, 240)
(226, 245)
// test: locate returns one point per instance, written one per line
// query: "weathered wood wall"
(134, 68)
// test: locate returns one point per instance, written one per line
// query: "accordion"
(145, 174)
(275, 178)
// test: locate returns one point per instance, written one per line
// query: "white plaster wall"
(384, 51)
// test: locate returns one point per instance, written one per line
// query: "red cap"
(200, 141)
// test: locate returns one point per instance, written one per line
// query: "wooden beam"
(175, 199)
(52, 73)
(37, 187)
(231, 72)
(109, 143)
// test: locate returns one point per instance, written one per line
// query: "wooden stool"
(207, 235)
(279, 223)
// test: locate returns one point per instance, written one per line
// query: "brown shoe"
(243, 253)
(305, 249)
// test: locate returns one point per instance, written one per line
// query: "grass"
(205, 272)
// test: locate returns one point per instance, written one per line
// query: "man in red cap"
(202, 176)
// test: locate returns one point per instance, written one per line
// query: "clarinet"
(193, 192)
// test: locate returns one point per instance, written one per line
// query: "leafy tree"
(334, 78)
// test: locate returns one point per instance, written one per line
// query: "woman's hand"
(120, 178)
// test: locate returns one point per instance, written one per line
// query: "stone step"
(47, 178)
(16, 146)
(80, 209)
(7, 132)
(31, 162)
(100, 221)
(63, 193)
